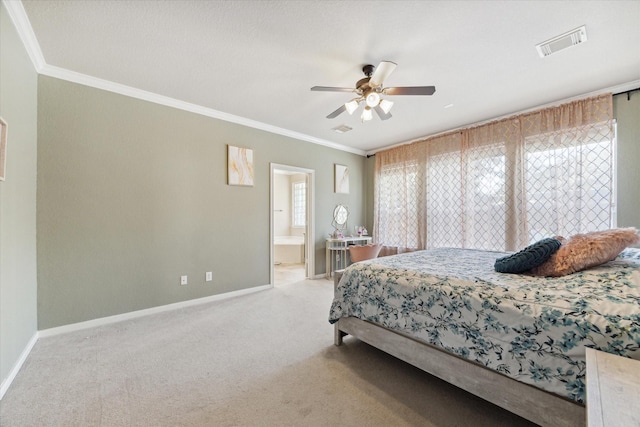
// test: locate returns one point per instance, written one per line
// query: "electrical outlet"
(183, 280)
(209, 276)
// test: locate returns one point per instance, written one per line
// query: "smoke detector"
(563, 41)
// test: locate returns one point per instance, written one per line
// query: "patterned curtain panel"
(502, 185)
(400, 199)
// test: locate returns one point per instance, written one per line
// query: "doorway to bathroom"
(292, 231)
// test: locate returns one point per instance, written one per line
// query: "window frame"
(294, 204)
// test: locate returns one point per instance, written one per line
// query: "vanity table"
(337, 250)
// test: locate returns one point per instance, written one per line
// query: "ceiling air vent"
(342, 128)
(563, 41)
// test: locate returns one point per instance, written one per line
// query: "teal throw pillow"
(529, 257)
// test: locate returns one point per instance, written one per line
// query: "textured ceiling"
(258, 59)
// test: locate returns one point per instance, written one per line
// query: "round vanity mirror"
(340, 216)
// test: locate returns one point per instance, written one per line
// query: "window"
(569, 183)
(398, 201)
(503, 185)
(299, 208)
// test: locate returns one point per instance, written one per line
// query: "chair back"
(364, 252)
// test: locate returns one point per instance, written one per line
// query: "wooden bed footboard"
(531, 403)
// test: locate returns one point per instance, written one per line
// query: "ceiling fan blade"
(336, 113)
(381, 73)
(410, 90)
(381, 113)
(332, 89)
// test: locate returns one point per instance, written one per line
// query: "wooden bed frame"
(536, 405)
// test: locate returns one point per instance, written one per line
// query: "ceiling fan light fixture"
(369, 91)
(386, 105)
(372, 99)
(366, 114)
(351, 106)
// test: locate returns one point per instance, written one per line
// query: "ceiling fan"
(369, 90)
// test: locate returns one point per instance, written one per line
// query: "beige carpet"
(284, 274)
(265, 359)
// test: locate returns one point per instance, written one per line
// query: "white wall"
(282, 204)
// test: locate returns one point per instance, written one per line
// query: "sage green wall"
(18, 97)
(627, 114)
(132, 195)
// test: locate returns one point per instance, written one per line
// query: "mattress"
(533, 329)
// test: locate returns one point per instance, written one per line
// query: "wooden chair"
(364, 252)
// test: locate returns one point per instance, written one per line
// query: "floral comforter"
(533, 329)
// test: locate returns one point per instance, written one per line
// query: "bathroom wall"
(282, 204)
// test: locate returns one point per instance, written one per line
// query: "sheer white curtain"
(500, 186)
(400, 199)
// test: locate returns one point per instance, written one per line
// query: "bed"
(517, 341)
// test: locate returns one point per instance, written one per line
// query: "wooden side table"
(613, 390)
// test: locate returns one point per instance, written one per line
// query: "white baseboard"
(141, 313)
(6, 383)
(16, 368)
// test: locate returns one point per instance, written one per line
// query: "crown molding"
(83, 79)
(19, 18)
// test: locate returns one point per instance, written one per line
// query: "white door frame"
(310, 227)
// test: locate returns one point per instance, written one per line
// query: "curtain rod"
(628, 92)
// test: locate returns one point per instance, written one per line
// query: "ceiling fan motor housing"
(368, 70)
(362, 85)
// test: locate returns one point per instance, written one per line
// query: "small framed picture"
(240, 166)
(3, 148)
(341, 179)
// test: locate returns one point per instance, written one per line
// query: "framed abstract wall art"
(341, 179)
(240, 166)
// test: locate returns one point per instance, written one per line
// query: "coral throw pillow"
(588, 250)
(529, 257)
